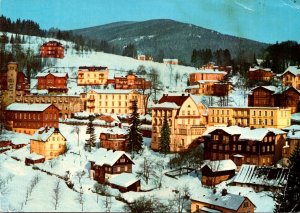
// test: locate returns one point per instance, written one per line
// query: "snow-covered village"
(145, 114)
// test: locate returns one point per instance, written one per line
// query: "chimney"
(293, 131)
(224, 192)
(46, 129)
(120, 125)
(214, 190)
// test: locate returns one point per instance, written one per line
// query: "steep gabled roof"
(124, 179)
(44, 133)
(107, 157)
(295, 70)
(177, 99)
(56, 74)
(220, 165)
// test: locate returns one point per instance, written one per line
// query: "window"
(234, 147)
(246, 204)
(248, 148)
(239, 147)
(216, 137)
(253, 148)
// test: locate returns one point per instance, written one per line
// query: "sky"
(262, 20)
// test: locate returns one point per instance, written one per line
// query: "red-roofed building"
(53, 82)
(131, 81)
(52, 49)
(185, 118)
(260, 74)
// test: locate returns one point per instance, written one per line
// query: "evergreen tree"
(90, 129)
(165, 136)
(289, 199)
(135, 138)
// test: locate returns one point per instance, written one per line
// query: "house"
(209, 88)
(34, 158)
(5, 145)
(125, 182)
(92, 76)
(261, 178)
(291, 77)
(272, 96)
(107, 163)
(13, 84)
(28, 118)
(53, 82)
(260, 74)
(68, 105)
(244, 145)
(293, 140)
(173, 61)
(209, 201)
(257, 117)
(48, 142)
(114, 138)
(52, 49)
(212, 75)
(131, 81)
(185, 118)
(144, 58)
(112, 101)
(215, 172)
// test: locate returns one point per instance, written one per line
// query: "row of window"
(31, 116)
(249, 148)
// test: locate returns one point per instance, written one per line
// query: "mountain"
(176, 39)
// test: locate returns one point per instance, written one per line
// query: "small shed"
(125, 182)
(214, 172)
(34, 158)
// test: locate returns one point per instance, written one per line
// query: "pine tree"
(165, 136)
(135, 138)
(90, 129)
(289, 199)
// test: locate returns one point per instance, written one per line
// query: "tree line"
(203, 56)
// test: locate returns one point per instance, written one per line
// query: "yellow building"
(48, 142)
(185, 118)
(291, 77)
(92, 76)
(257, 117)
(113, 101)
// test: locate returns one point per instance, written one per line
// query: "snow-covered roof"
(169, 105)
(294, 127)
(34, 156)
(124, 179)
(205, 209)
(293, 69)
(107, 157)
(115, 131)
(228, 201)
(259, 68)
(211, 71)
(56, 74)
(293, 135)
(27, 107)
(267, 176)
(241, 107)
(43, 134)
(220, 165)
(112, 91)
(207, 81)
(39, 91)
(193, 87)
(295, 116)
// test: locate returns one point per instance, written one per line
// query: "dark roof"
(92, 68)
(179, 100)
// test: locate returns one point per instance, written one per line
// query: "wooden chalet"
(34, 158)
(106, 163)
(52, 49)
(215, 172)
(263, 178)
(114, 138)
(54, 82)
(125, 182)
(260, 74)
(131, 81)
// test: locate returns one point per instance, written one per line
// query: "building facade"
(172, 61)
(131, 81)
(206, 75)
(271, 96)
(256, 117)
(68, 105)
(48, 142)
(113, 101)
(209, 88)
(28, 118)
(184, 117)
(53, 82)
(260, 74)
(244, 145)
(52, 49)
(91, 76)
(291, 77)
(114, 138)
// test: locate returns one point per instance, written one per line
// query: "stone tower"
(11, 82)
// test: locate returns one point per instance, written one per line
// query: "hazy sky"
(262, 20)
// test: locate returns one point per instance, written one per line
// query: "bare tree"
(80, 198)
(3, 187)
(79, 175)
(180, 198)
(158, 173)
(56, 194)
(107, 203)
(177, 77)
(53, 163)
(156, 84)
(146, 169)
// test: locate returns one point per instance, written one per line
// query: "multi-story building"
(113, 101)
(291, 77)
(131, 81)
(68, 105)
(260, 74)
(13, 83)
(52, 49)
(91, 76)
(114, 138)
(144, 58)
(293, 140)
(48, 142)
(173, 61)
(244, 145)
(28, 118)
(53, 82)
(256, 117)
(185, 119)
(206, 75)
(107, 163)
(271, 96)
(212, 201)
(210, 88)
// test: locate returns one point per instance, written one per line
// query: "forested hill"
(174, 38)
